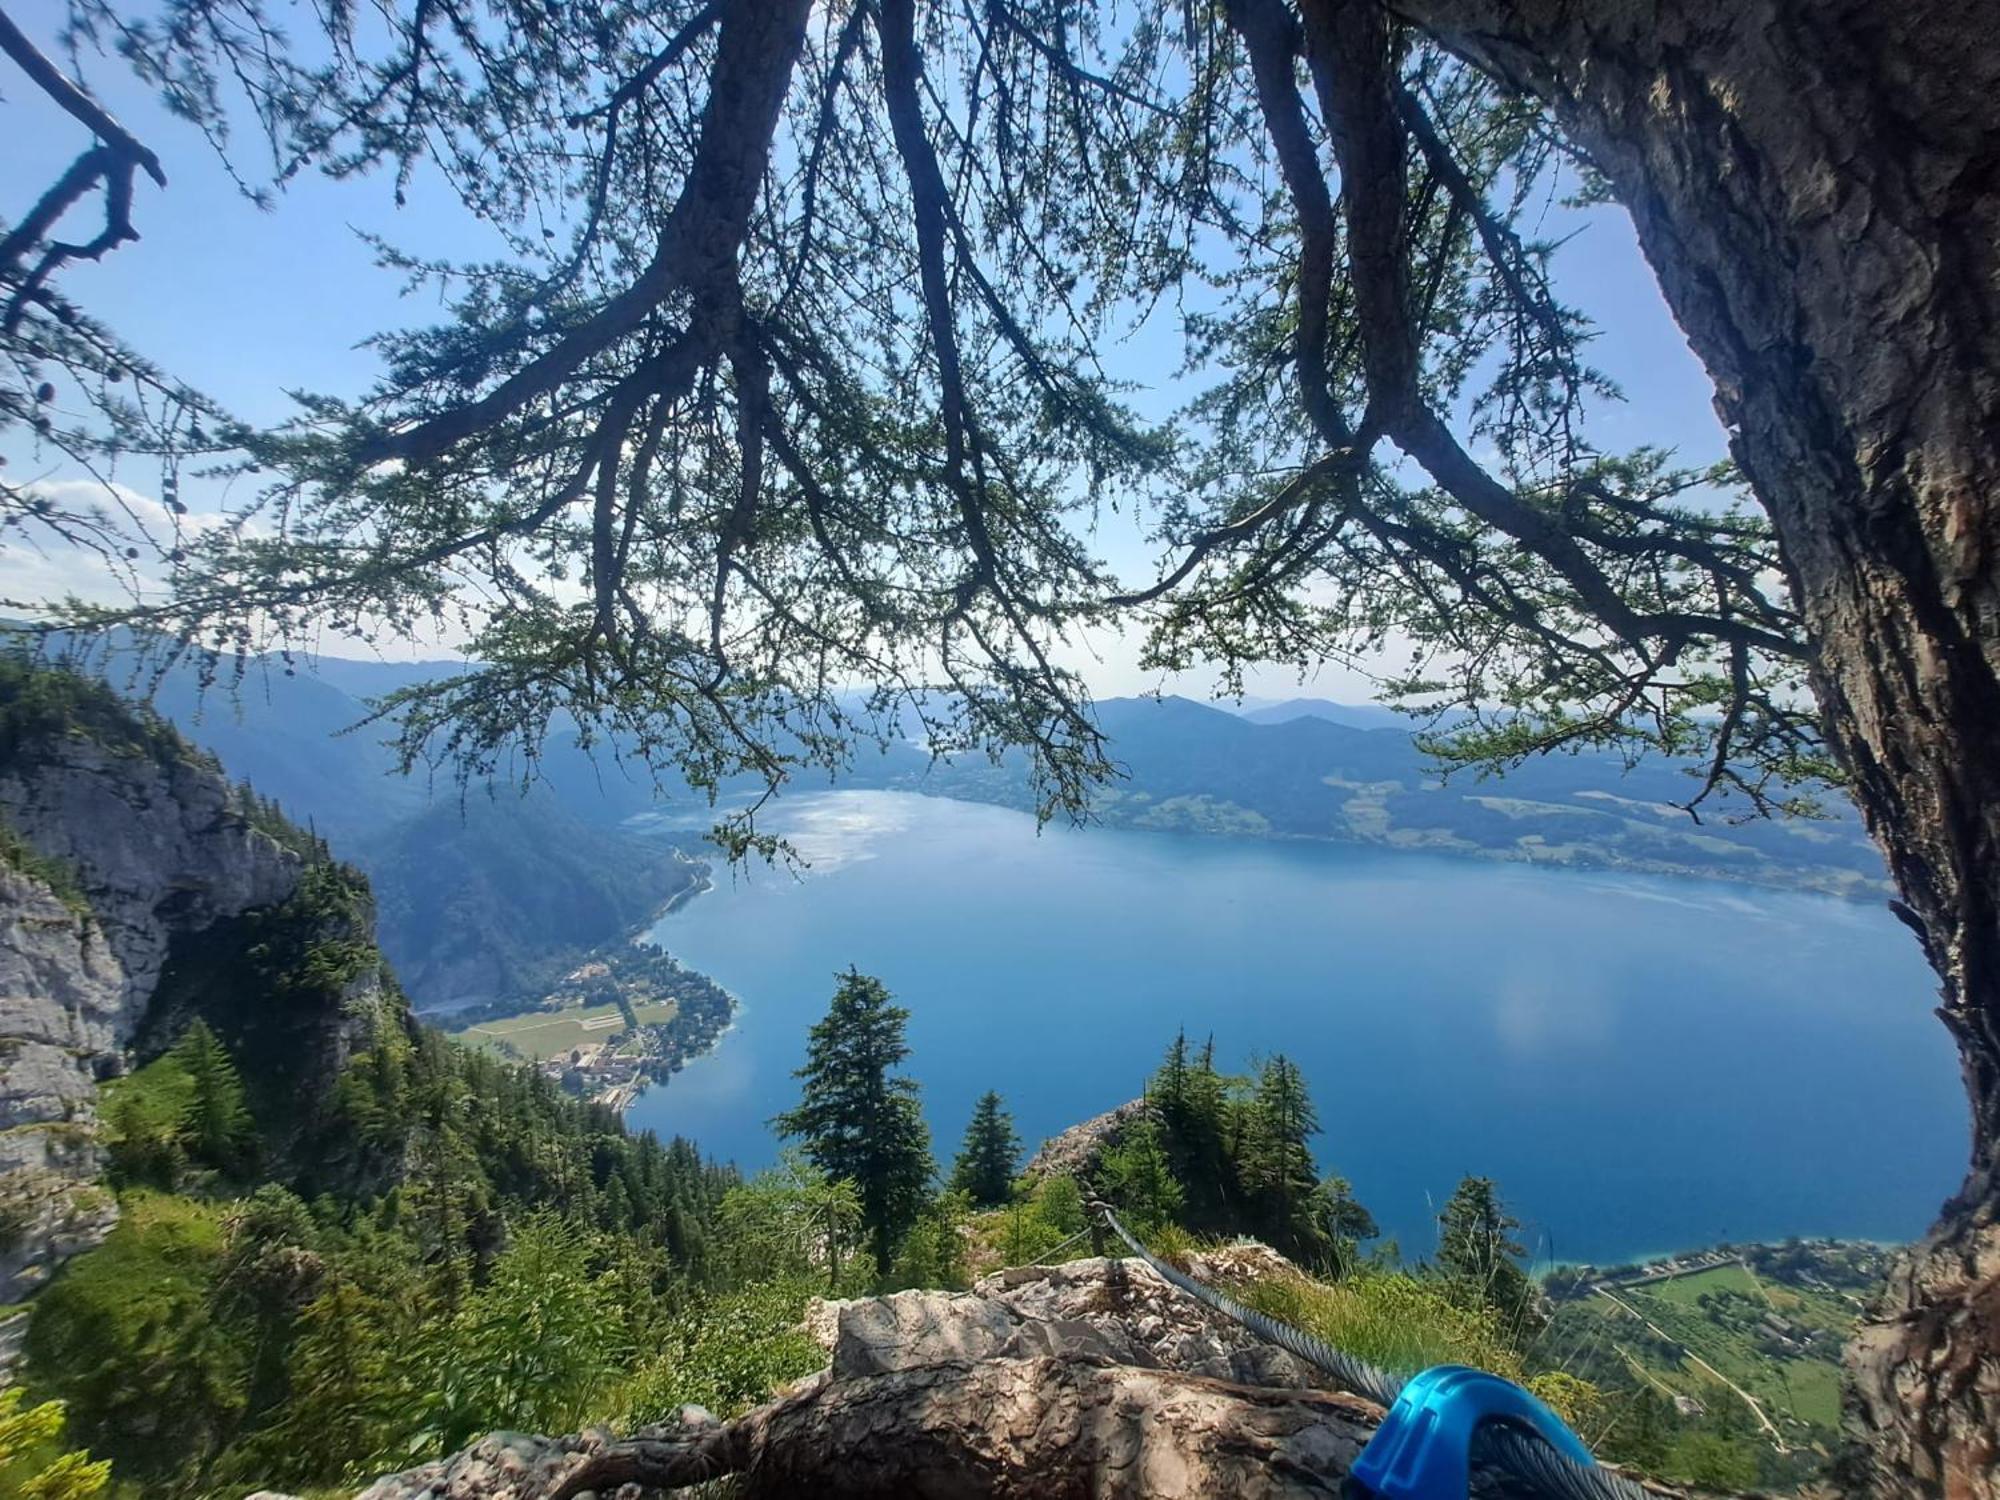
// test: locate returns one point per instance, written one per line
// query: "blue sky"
(245, 303)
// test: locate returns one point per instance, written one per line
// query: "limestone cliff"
(124, 849)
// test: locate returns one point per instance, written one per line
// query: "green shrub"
(33, 1465)
(1390, 1318)
(727, 1353)
(127, 1338)
(534, 1349)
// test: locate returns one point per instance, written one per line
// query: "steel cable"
(1515, 1449)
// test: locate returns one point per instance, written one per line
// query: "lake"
(1643, 1064)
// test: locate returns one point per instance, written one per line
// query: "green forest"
(464, 1248)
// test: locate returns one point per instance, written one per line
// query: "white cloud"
(39, 567)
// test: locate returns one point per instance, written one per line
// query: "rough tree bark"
(1817, 187)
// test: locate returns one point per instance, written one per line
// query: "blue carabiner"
(1423, 1449)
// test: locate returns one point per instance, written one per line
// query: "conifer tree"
(1340, 1215)
(1137, 1177)
(216, 1127)
(858, 1122)
(986, 1163)
(614, 1209)
(1476, 1246)
(1278, 1165)
(1191, 1102)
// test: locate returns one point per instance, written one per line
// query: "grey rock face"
(1098, 1309)
(1074, 1152)
(156, 848)
(157, 852)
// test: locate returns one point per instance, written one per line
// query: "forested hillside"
(298, 1238)
(493, 895)
(486, 892)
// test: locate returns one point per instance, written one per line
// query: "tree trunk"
(1817, 187)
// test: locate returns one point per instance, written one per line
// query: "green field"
(1688, 1289)
(544, 1034)
(1807, 1386)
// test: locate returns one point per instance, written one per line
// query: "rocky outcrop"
(155, 852)
(1074, 1153)
(1091, 1379)
(154, 844)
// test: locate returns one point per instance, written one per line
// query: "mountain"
(484, 891)
(258, 1226)
(1190, 767)
(138, 889)
(492, 897)
(1307, 768)
(1354, 715)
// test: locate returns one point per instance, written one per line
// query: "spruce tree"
(1340, 1215)
(1191, 1102)
(1137, 1177)
(858, 1122)
(216, 1127)
(986, 1163)
(1278, 1165)
(1476, 1246)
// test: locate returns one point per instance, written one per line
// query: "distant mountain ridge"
(492, 897)
(1303, 768)
(1196, 768)
(1354, 715)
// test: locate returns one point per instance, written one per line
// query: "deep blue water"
(1643, 1064)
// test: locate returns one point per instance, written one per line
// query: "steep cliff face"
(61, 993)
(121, 846)
(154, 843)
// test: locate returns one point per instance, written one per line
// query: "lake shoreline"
(1662, 1074)
(1862, 890)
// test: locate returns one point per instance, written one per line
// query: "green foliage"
(144, 1119)
(269, 1340)
(216, 1128)
(1137, 1178)
(991, 1155)
(858, 1122)
(1398, 1320)
(44, 703)
(1710, 1461)
(1192, 1103)
(727, 1352)
(346, 1353)
(1341, 1218)
(790, 1222)
(536, 1348)
(933, 1253)
(128, 1338)
(1240, 1151)
(186, 1108)
(1045, 1219)
(33, 1465)
(1476, 1250)
(1275, 1160)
